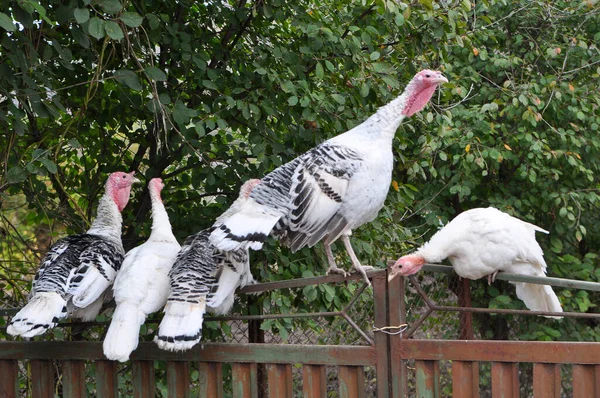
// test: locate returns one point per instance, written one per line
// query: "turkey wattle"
(202, 278)
(142, 284)
(481, 242)
(78, 269)
(330, 190)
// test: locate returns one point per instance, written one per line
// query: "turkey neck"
(108, 220)
(161, 226)
(384, 123)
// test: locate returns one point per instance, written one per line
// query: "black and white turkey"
(330, 190)
(78, 269)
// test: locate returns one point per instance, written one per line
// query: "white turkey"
(142, 284)
(481, 242)
(202, 279)
(78, 269)
(330, 190)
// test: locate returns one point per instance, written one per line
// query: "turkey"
(202, 278)
(330, 190)
(142, 284)
(78, 269)
(481, 242)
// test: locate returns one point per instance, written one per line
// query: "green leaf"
(364, 89)
(113, 30)
(15, 175)
(209, 84)
(319, 72)
(40, 10)
(129, 78)
(155, 73)
(6, 22)
(50, 165)
(339, 98)
(111, 6)
(375, 55)
(292, 100)
(80, 37)
(131, 19)
(82, 15)
(96, 28)
(74, 143)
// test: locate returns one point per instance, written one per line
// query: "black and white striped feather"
(298, 202)
(66, 278)
(202, 279)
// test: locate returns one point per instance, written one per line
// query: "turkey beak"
(394, 270)
(134, 179)
(441, 79)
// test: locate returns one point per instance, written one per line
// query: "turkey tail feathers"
(539, 298)
(181, 327)
(248, 228)
(41, 313)
(123, 333)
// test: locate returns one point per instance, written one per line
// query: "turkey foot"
(492, 277)
(332, 265)
(362, 269)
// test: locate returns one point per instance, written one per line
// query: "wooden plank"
(382, 345)
(465, 379)
(352, 381)
(143, 379)
(73, 378)
(314, 381)
(505, 380)
(546, 380)
(107, 380)
(210, 352)
(502, 351)
(586, 381)
(210, 379)
(280, 380)
(244, 383)
(428, 379)
(9, 378)
(42, 379)
(397, 316)
(178, 379)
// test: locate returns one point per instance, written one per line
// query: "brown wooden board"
(314, 381)
(502, 351)
(107, 382)
(178, 379)
(9, 378)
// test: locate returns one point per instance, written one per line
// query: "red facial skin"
(406, 265)
(422, 87)
(119, 187)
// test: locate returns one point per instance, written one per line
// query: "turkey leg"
(492, 277)
(332, 265)
(355, 262)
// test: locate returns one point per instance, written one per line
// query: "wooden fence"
(271, 370)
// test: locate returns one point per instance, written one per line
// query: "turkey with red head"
(481, 242)
(78, 269)
(330, 190)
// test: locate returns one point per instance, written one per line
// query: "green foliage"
(210, 94)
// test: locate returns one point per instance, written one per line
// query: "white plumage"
(481, 242)
(330, 190)
(142, 284)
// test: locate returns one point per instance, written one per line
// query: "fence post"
(382, 341)
(465, 318)
(397, 316)
(257, 335)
